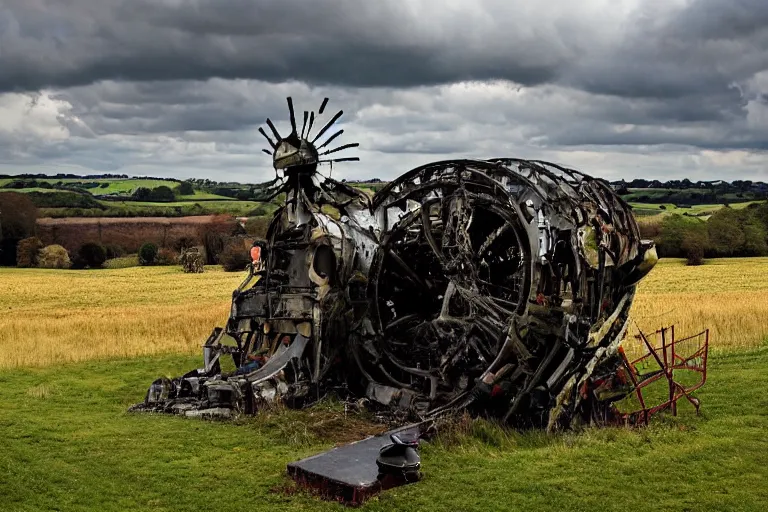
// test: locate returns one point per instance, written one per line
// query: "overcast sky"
(615, 88)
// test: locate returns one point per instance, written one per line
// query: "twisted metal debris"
(499, 286)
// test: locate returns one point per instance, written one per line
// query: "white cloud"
(33, 115)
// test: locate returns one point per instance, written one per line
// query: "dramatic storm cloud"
(622, 88)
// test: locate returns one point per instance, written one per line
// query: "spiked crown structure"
(300, 151)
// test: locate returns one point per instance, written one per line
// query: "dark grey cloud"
(675, 51)
(712, 20)
(659, 49)
(179, 87)
(346, 42)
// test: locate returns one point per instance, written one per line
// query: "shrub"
(192, 261)
(755, 238)
(18, 215)
(760, 212)
(673, 232)
(27, 251)
(53, 256)
(147, 254)
(257, 226)
(92, 255)
(726, 232)
(695, 243)
(166, 256)
(162, 193)
(18, 184)
(670, 236)
(650, 227)
(141, 193)
(114, 251)
(234, 257)
(64, 199)
(185, 188)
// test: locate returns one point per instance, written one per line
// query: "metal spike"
(328, 125)
(274, 130)
(330, 139)
(304, 125)
(267, 152)
(271, 142)
(293, 117)
(345, 146)
(322, 106)
(311, 122)
(346, 159)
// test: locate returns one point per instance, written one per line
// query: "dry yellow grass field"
(728, 296)
(57, 316)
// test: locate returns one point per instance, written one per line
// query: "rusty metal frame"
(668, 359)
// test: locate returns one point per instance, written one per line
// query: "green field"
(126, 186)
(199, 203)
(116, 185)
(229, 203)
(68, 444)
(200, 195)
(698, 210)
(34, 189)
(686, 196)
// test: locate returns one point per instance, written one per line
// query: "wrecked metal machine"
(501, 287)
(498, 287)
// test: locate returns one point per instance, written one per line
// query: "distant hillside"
(118, 195)
(67, 195)
(688, 193)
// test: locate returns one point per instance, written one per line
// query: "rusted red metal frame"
(668, 362)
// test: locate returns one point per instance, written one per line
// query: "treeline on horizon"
(728, 232)
(83, 195)
(733, 186)
(203, 182)
(619, 185)
(689, 193)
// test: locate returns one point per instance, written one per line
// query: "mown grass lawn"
(68, 444)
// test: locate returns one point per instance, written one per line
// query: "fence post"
(668, 371)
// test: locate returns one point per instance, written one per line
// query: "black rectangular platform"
(348, 473)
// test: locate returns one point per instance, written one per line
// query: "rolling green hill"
(114, 196)
(698, 210)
